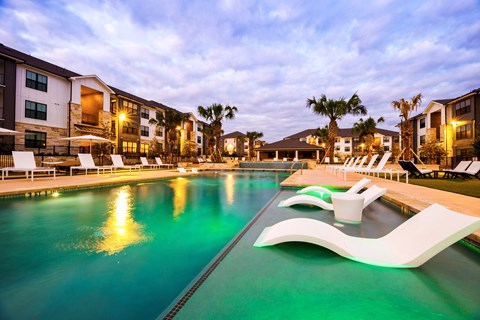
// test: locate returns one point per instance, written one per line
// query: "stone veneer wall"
(54, 136)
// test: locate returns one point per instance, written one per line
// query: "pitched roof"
(35, 62)
(234, 134)
(302, 134)
(473, 92)
(289, 144)
(443, 101)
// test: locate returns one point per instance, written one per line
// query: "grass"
(469, 187)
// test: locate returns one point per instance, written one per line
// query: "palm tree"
(406, 129)
(366, 131)
(170, 121)
(252, 136)
(336, 110)
(216, 113)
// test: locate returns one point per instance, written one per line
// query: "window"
(36, 81)
(464, 132)
(35, 110)
(386, 139)
(159, 132)
(357, 149)
(199, 139)
(356, 140)
(396, 139)
(462, 107)
(130, 147)
(35, 139)
(130, 107)
(422, 140)
(337, 148)
(422, 123)
(144, 131)
(337, 140)
(144, 113)
(347, 149)
(386, 148)
(130, 128)
(144, 148)
(347, 140)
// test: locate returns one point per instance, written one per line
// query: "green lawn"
(469, 187)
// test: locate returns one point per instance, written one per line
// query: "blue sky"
(264, 57)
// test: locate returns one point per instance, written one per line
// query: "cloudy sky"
(264, 57)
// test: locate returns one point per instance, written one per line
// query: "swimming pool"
(120, 253)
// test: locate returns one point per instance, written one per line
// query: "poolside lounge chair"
(146, 164)
(320, 190)
(356, 165)
(415, 171)
(472, 171)
(461, 167)
(371, 194)
(350, 163)
(161, 164)
(86, 163)
(24, 161)
(375, 171)
(118, 163)
(183, 170)
(409, 245)
(330, 168)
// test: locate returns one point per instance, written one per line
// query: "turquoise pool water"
(120, 253)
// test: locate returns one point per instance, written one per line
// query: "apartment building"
(49, 103)
(235, 143)
(348, 144)
(451, 122)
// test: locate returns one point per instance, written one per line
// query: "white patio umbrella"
(8, 132)
(89, 138)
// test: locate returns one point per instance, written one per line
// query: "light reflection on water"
(179, 187)
(120, 230)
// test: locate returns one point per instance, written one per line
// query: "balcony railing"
(89, 119)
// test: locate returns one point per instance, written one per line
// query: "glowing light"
(122, 116)
(55, 194)
(120, 230)
(230, 148)
(454, 123)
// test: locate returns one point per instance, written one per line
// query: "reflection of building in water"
(179, 187)
(120, 230)
(230, 188)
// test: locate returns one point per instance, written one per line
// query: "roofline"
(96, 77)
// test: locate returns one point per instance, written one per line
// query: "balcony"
(89, 119)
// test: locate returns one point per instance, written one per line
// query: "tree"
(336, 110)
(170, 121)
(366, 131)
(433, 151)
(252, 136)
(215, 114)
(406, 129)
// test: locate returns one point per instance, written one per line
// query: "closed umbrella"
(89, 138)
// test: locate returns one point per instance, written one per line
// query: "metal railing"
(301, 167)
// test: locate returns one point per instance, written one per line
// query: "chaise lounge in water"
(371, 194)
(321, 190)
(409, 245)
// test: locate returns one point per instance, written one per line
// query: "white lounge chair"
(459, 169)
(374, 171)
(409, 245)
(24, 161)
(183, 170)
(146, 164)
(348, 163)
(356, 165)
(329, 167)
(368, 167)
(86, 163)
(118, 163)
(371, 194)
(161, 164)
(322, 190)
(472, 171)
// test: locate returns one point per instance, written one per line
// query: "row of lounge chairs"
(410, 245)
(465, 170)
(24, 161)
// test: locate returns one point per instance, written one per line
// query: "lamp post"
(120, 118)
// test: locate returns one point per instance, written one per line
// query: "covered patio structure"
(290, 149)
